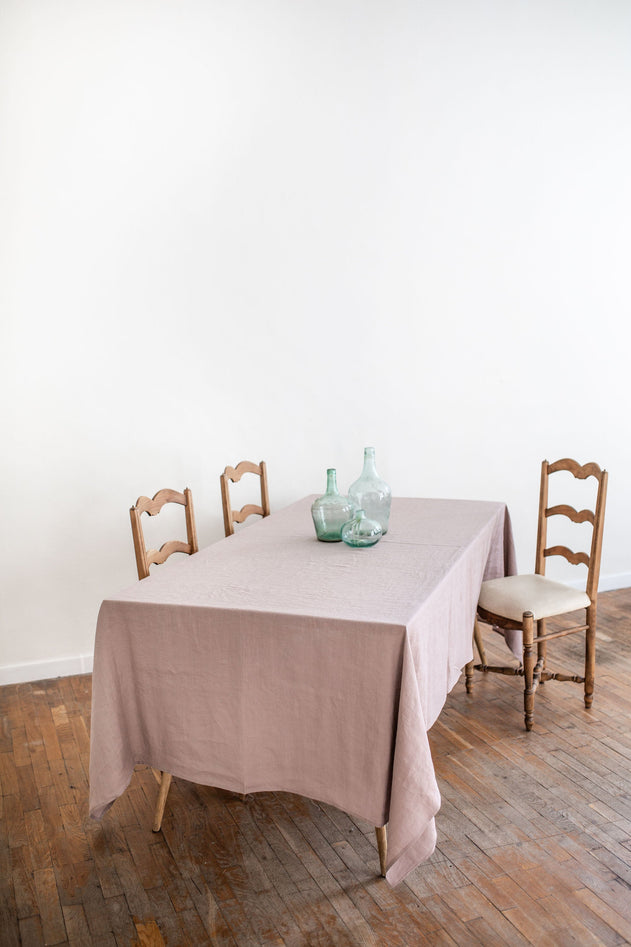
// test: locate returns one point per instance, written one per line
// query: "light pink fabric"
(273, 661)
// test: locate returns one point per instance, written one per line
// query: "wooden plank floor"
(534, 834)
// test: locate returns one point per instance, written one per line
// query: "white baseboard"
(82, 663)
(607, 583)
(44, 670)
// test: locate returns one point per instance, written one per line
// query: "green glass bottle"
(371, 493)
(331, 511)
(361, 531)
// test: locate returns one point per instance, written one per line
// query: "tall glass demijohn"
(331, 511)
(371, 493)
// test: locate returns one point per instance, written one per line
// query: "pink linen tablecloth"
(272, 661)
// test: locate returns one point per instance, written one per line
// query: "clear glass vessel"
(371, 493)
(331, 511)
(361, 531)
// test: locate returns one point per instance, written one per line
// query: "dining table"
(271, 661)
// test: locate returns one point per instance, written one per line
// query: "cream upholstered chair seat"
(515, 594)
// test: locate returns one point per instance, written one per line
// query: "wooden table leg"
(382, 845)
(165, 782)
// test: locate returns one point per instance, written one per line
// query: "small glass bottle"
(361, 531)
(371, 493)
(331, 511)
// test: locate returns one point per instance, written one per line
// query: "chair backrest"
(146, 557)
(233, 475)
(596, 517)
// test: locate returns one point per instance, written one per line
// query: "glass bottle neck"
(331, 481)
(369, 462)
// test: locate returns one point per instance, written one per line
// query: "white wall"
(288, 230)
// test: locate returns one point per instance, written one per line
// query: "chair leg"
(529, 667)
(590, 656)
(382, 845)
(542, 646)
(165, 783)
(477, 637)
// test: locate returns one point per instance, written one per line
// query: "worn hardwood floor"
(534, 834)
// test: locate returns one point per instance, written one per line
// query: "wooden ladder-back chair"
(233, 475)
(520, 602)
(147, 557)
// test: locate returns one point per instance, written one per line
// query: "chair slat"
(580, 471)
(575, 558)
(156, 556)
(582, 516)
(245, 466)
(154, 505)
(239, 516)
